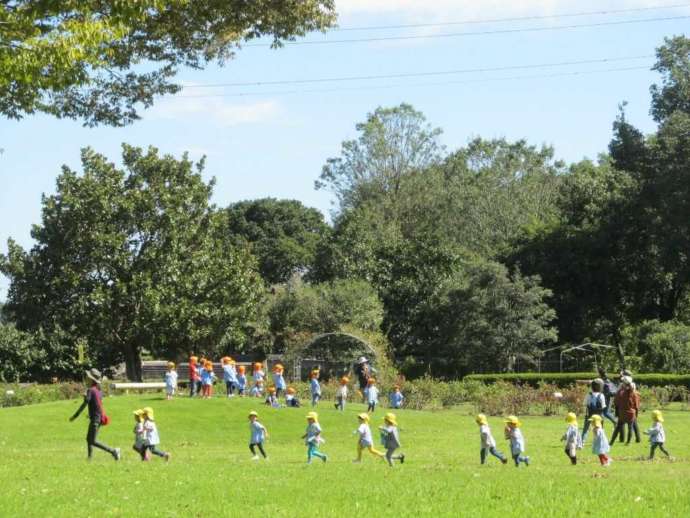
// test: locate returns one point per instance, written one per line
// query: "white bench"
(137, 386)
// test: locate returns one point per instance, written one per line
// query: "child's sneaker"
(116, 454)
(255, 457)
(504, 460)
(526, 461)
(402, 458)
(167, 457)
(324, 458)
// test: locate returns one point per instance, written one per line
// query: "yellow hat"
(171, 365)
(390, 418)
(364, 417)
(513, 420)
(571, 418)
(595, 419)
(139, 412)
(481, 419)
(148, 412)
(253, 413)
(657, 416)
(313, 415)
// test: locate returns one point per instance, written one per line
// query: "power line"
(418, 85)
(513, 19)
(419, 74)
(476, 33)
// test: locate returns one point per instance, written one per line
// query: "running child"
(151, 433)
(396, 398)
(140, 435)
(600, 444)
(390, 438)
(364, 440)
(573, 441)
(657, 436)
(257, 435)
(341, 394)
(312, 438)
(170, 381)
(371, 393)
(517, 440)
(487, 441)
(314, 386)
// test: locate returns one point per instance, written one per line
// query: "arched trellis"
(334, 352)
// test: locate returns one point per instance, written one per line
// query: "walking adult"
(97, 417)
(364, 371)
(627, 402)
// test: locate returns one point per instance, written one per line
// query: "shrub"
(30, 394)
(563, 379)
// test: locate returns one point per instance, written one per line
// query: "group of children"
(146, 438)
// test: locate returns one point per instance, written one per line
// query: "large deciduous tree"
(132, 259)
(99, 61)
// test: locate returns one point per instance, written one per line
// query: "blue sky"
(273, 140)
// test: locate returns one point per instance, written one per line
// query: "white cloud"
(214, 109)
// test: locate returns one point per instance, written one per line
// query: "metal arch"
(357, 338)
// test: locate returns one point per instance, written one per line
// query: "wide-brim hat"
(596, 418)
(364, 417)
(138, 412)
(390, 418)
(627, 380)
(94, 375)
(362, 360)
(481, 419)
(511, 419)
(253, 413)
(571, 418)
(148, 412)
(313, 415)
(658, 416)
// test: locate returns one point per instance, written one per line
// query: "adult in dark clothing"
(364, 372)
(609, 391)
(94, 401)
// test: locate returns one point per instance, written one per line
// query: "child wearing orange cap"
(170, 381)
(396, 398)
(241, 380)
(208, 377)
(313, 438)
(371, 394)
(194, 377)
(257, 435)
(341, 394)
(279, 379)
(291, 398)
(258, 389)
(229, 375)
(314, 386)
(365, 440)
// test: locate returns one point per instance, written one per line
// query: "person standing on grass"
(279, 379)
(390, 437)
(364, 371)
(241, 381)
(194, 377)
(208, 377)
(341, 394)
(609, 391)
(657, 437)
(97, 417)
(595, 403)
(371, 395)
(314, 386)
(396, 398)
(600, 445)
(573, 441)
(170, 381)
(312, 438)
(229, 375)
(140, 435)
(257, 435)
(517, 440)
(365, 440)
(627, 403)
(487, 441)
(151, 433)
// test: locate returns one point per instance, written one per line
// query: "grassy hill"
(44, 471)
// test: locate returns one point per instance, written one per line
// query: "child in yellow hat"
(170, 381)
(572, 438)
(313, 438)
(365, 439)
(600, 444)
(371, 394)
(390, 438)
(487, 441)
(257, 435)
(291, 398)
(229, 376)
(315, 386)
(140, 435)
(656, 433)
(517, 440)
(341, 394)
(152, 436)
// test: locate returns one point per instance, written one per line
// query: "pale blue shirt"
(257, 432)
(207, 377)
(279, 381)
(241, 381)
(315, 386)
(229, 373)
(151, 433)
(171, 379)
(600, 444)
(396, 399)
(372, 394)
(313, 431)
(517, 441)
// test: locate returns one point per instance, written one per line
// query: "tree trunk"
(132, 362)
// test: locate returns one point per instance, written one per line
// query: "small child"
(390, 438)
(229, 375)
(341, 394)
(517, 441)
(396, 398)
(193, 376)
(140, 435)
(573, 441)
(170, 381)
(151, 433)
(364, 438)
(313, 438)
(257, 389)
(271, 398)
(315, 386)
(291, 399)
(241, 380)
(600, 444)
(258, 434)
(657, 437)
(487, 441)
(371, 393)
(258, 372)
(208, 377)
(279, 379)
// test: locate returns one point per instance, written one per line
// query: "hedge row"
(563, 379)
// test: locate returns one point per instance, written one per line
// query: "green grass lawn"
(44, 471)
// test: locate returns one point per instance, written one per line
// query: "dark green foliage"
(660, 345)
(282, 234)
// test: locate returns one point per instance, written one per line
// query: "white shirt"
(487, 440)
(171, 378)
(572, 437)
(151, 432)
(139, 435)
(364, 432)
(656, 433)
(342, 391)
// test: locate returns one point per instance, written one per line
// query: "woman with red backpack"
(97, 416)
